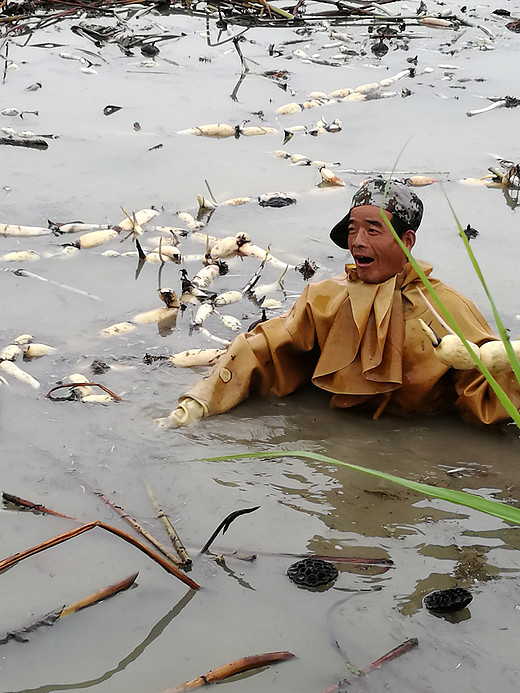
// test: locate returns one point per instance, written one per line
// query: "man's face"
(375, 251)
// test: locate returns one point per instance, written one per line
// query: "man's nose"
(360, 239)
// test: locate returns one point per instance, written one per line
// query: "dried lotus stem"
(99, 595)
(168, 525)
(133, 523)
(49, 543)
(36, 507)
(72, 385)
(231, 669)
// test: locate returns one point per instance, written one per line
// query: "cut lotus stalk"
(195, 357)
(83, 228)
(450, 349)
(491, 107)
(118, 329)
(82, 390)
(289, 109)
(206, 276)
(14, 371)
(341, 93)
(367, 88)
(437, 22)
(202, 314)
(135, 221)
(355, 96)
(10, 352)
(419, 181)
(494, 356)
(213, 337)
(95, 238)
(190, 221)
(255, 130)
(155, 315)
(330, 177)
(230, 322)
(23, 339)
(168, 253)
(218, 130)
(36, 351)
(236, 201)
(228, 297)
(13, 230)
(87, 386)
(20, 256)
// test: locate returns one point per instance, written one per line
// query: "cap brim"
(339, 234)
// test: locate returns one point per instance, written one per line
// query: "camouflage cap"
(400, 200)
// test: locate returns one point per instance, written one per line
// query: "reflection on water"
(155, 632)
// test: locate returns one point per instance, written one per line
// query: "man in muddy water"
(358, 335)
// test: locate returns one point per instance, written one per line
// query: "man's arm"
(275, 359)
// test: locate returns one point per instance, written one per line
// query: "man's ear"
(408, 238)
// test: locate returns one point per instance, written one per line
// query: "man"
(358, 335)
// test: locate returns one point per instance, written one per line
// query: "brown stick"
(72, 385)
(37, 507)
(236, 667)
(389, 656)
(17, 557)
(133, 523)
(99, 595)
(172, 532)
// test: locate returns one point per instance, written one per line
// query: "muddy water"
(158, 634)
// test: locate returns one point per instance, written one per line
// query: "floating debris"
(330, 177)
(276, 199)
(504, 102)
(449, 600)
(312, 572)
(195, 357)
(223, 130)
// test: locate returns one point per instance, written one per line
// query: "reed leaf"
(484, 505)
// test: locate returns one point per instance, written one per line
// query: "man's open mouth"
(363, 259)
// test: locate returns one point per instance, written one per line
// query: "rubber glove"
(188, 411)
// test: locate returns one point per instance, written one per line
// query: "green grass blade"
(484, 505)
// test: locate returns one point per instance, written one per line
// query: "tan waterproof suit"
(362, 343)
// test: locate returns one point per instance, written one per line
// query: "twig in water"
(29, 505)
(133, 523)
(73, 385)
(224, 526)
(406, 646)
(49, 543)
(51, 618)
(388, 657)
(236, 667)
(172, 532)
(25, 273)
(99, 595)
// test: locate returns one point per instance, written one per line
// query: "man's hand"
(188, 411)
